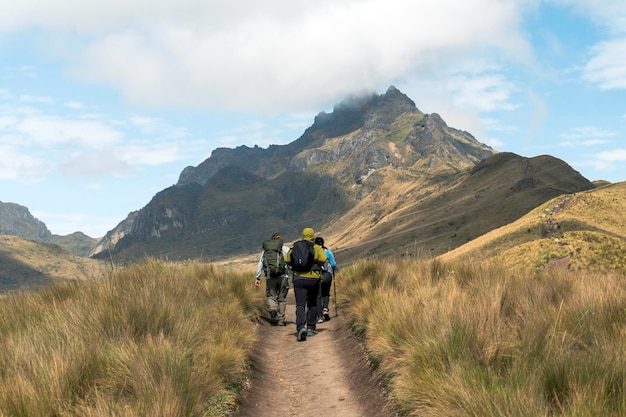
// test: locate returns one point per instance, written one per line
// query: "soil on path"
(326, 375)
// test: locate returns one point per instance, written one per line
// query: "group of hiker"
(311, 266)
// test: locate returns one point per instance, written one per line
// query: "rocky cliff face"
(327, 167)
(373, 156)
(16, 220)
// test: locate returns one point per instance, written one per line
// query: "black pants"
(306, 290)
(324, 297)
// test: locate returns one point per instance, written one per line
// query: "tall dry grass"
(155, 339)
(469, 340)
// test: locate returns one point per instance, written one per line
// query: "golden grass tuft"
(460, 339)
(153, 339)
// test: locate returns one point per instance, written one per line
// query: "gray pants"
(276, 289)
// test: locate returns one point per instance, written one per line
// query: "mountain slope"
(583, 231)
(30, 264)
(16, 220)
(445, 212)
(375, 176)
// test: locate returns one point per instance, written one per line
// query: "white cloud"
(607, 68)
(150, 154)
(7, 122)
(103, 163)
(145, 124)
(18, 166)
(485, 93)
(586, 135)
(51, 130)
(270, 55)
(607, 160)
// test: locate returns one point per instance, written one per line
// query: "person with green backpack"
(306, 260)
(272, 264)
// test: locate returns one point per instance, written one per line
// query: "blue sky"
(104, 103)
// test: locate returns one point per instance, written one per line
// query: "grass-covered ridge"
(585, 231)
(153, 339)
(469, 340)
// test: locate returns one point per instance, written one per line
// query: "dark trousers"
(324, 297)
(306, 290)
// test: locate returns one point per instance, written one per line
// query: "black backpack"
(273, 259)
(302, 256)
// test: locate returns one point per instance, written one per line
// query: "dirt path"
(326, 375)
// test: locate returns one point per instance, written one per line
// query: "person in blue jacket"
(328, 272)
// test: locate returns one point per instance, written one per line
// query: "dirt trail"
(326, 375)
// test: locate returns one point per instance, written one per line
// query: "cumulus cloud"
(607, 68)
(94, 164)
(484, 92)
(19, 166)
(51, 130)
(270, 55)
(607, 160)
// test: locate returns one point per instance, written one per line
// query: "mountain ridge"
(579, 231)
(370, 150)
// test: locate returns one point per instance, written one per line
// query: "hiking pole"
(335, 291)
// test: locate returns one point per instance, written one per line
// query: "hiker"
(328, 272)
(272, 263)
(306, 260)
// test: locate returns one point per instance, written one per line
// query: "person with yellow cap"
(306, 260)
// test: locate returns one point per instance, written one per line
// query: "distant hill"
(436, 216)
(581, 231)
(375, 177)
(29, 264)
(76, 243)
(16, 220)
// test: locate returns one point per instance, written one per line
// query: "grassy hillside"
(28, 264)
(77, 243)
(459, 339)
(581, 231)
(450, 339)
(152, 340)
(411, 216)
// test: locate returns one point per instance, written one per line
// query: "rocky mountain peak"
(367, 110)
(372, 154)
(17, 220)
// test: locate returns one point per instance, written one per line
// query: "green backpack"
(273, 258)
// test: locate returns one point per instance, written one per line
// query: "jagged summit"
(367, 111)
(372, 158)
(17, 220)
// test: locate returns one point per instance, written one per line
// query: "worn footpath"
(326, 375)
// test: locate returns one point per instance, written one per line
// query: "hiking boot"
(311, 332)
(326, 315)
(320, 320)
(302, 334)
(273, 317)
